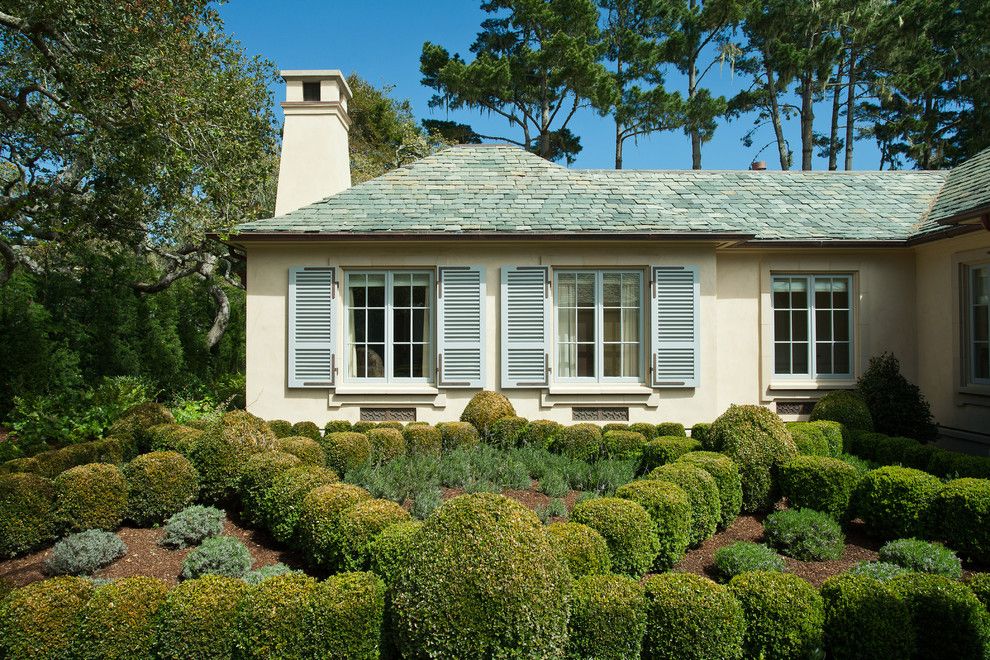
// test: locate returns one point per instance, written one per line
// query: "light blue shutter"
(675, 329)
(525, 327)
(461, 326)
(312, 327)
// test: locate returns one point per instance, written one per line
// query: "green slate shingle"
(967, 188)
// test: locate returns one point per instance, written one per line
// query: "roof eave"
(253, 237)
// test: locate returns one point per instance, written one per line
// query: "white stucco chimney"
(315, 162)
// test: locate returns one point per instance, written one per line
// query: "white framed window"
(977, 327)
(812, 326)
(389, 326)
(599, 326)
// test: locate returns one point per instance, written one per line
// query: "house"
(601, 295)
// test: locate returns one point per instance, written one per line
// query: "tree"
(537, 62)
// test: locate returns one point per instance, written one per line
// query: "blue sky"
(381, 41)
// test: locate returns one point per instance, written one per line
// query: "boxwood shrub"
(307, 430)
(665, 449)
(271, 621)
(614, 426)
(784, 614)
(390, 548)
(484, 409)
(865, 619)
(979, 584)
(192, 525)
(136, 420)
(669, 508)
(90, 496)
(280, 427)
(423, 440)
(805, 534)
(40, 620)
(922, 557)
(257, 476)
(808, 438)
(689, 617)
(360, 525)
(346, 450)
(623, 445)
(820, 483)
(364, 427)
(344, 617)
(846, 407)
(337, 426)
(702, 491)
(725, 472)
(221, 452)
(456, 435)
(608, 618)
(319, 522)
(198, 619)
(580, 441)
(699, 432)
(961, 512)
(505, 432)
(84, 553)
(745, 556)
(481, 580)
(119, 620)
(540, 433)
(648, 430)
(282, 502)
(948, 620)
(173, 437)
(580, 547)
(307, 450)
(159, 484)
(833, 435)
(895, 502)
(217, 555)
(627, 529)
(671, 430)
(878, 570)
(386, 444)
(28, 505)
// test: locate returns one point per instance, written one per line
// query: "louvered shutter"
(675, 329)
(525, 327)
(312, 327)
(461, 326)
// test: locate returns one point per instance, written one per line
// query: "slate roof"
(476, 189)
(966, 189)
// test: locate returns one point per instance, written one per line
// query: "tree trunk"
(851, 108)
(692, 92)
(833, 135)
(807, 120)
(778, 128)
(618, 146)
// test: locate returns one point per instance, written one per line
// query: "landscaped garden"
(497, 536)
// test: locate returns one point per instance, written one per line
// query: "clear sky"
(381, 41)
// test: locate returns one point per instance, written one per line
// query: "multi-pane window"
(389, 325)
(812, 325)
(599, 325)
(978, 309)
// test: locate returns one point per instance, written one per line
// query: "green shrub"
(84, 553)
(744, 557)
(118, 622)
(346, 451)
(726, 475)
(391, 547)
(363, 427)
(614, 426)
(482, 580)
(386, 444)
(669, 508)
(649, 431)
(397, 425)
(159, 484)
(345, 616)
(894, 502)
(623, 445)
(833, 435)
(979, 584)
(948, 620)
(90, 496)
(554, 484)
(307, 430)
(757, 440)
(198, 619)
(608, 618)
(271, 622)
(259, 575)
(423, 440)
(847, 408)
(221, 452)
(922, 557)
(257, 476)
(702, 491)
(805, 534)
(192, 525)
(878, 570)
(919, 456)
(136, 421)
(864, 619)
(27, 503)
(953, 465)
(173, 437)
(281, 428)
(360, 525)
(663, 450)
(504, 433)
(820, 483)
(307, 450)
(896, 405)
(581, 548)
(808, 438)
(890, 450)
(700, 432)
(39, 621)
(962, 513)
(457, 435)
(339, 426)
(319, 522)
(784, 614)
(863, 443)
(540, 433)
(689, 617)
(627, 529)
(217, 555)
(484, 409)
(671, 430)
(282, 502)
(580, 441)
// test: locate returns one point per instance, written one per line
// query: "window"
(311, 91)
(812, 325)
(389, 326)
(978, 324)
(599, 325)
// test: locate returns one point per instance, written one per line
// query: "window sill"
(596, 389)
(791, 385)
(425, 390)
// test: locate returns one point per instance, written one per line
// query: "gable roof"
(501, 190)
(966, 190)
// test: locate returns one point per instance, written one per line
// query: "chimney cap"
(758, 165)
(318, 74)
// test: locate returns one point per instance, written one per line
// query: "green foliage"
(337, 426)
(259, 575)
(743, 557)
(895, 502)
(580, 547)
(961, 512)
(948, 620)
(271, 622)
(257, 476)
(423, 440)
(307, 450)
(360, 525)
(809, 438)
(118, 622)
(878, 570)
(702, 491)
(623, 445)
(554, 509)
(386, 444)
(280, 427)
(833, 432)
(700, 432)
(28, 505)
(784, 614)
(897, 406)
(390, 548)
(580, 441)
(84, 553)
(505, 432)
(540, 433)
(361, 427)
(865, 619)
(307, 430)
(805, 534)
(669, 507)
(979, 584)
(757, 440)
(319, 522)
(192, 525)
(344, 617)
(665, 450)
(52, 463)
(136, 420)
(554, 484)
(220, 453)
(346, 450)
(172, 437)
(198, 619)
(282, 502)
(627, 529)
(820, 483)
(160, 484)
(39, 621)
(847, 408)
(608, 618)
(689, 617)
(670, 430)
(456, 435)
(922, 557)
(90, 496)
(648, 431)
(484, 409)
(217, 555)
(726, 475)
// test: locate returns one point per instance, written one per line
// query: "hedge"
(391, 547)
(456, 435)
(627, 529)
(344, 617)
(580, 441)
(784, 614)
(319, 522)
(666, 449)
(725, 472)
(961, 511)
(118, 622)
(28, 520)
(360, 525)
(280, 427)
(671, 430)
(257, 476)
(833, 433)
(648, 430)
(846, 407)
(220, 453)
(173, 437)
(699, 432)
(979, 584)
(669, 508)
(159, 484)
(346, 450)
(39, 621)
(608, 618)
(338, 425)
(820, 483)
(623, 445)
(307, 450)
(865, 619)
(702, 491)
(90, 496)
(136, 420)
(484, 409)
(307, 430)
(808, 438)
(895, 502)
(282, 502)
(540, 433)
(949, 621)
(580, 547)
(505, 432)
(386, 444)
(198, 619)
(50, 464)
(423, 440)
(271, 621)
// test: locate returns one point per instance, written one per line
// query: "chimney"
(758, 165)
(315, 161)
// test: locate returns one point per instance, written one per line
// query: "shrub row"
(908, 452)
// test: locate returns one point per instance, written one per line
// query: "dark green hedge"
(608, 618)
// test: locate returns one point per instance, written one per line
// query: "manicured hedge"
(271, 621)
(220, 453)
(784, 614)
(391, 547)
(50, 464)
(961, 513)
(319, 522)
(159, 484)
(40, 620)
(670, 430)
(895, 502)
(623, 445)
(339, 425)
(307, 430)
(386, 444)
(305, 449)
(845, 407)
(608, 618)
(346, 450)
(118, 622)
(580, 547)
(702, 491)
(979, 584)
(173, 437)
(580, 441)
(725, 472)
(648, 430)
(627, 529)
(90, 496)
(540, 433)
(484, 409)
(669, 508)
(865, 619)
(344, 617)
(282, 502)
(948, 619)
(808, 438)
(280, 427)
(505, 432)
(833, 433)
(198, 619)
(456, 435)
(136, 420)
(257, 476)
(700, 432)
(665, 449)
(423, 440)
(820, 483)
(27, 503)
(360, 525)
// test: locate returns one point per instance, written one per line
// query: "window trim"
(968, 326)
(389, 379)
(812, 376)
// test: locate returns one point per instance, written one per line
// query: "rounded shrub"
(257, 476)
(700, 432)
(217, 555)
(757, 440)
(865, 619)
(614, 426)
(84, 553)
(689, 617)
(878, 570)
(663, 450)
(623, 445)
(136, 420)
(386, 444)
(808, 438)
(282, 502)
(671, 430)
(339, 425)
(581, 548)
(895, 502)
(307, 450)
(608, 618)
(119, 620)
(390, 548)
(962, 513)
(27, 503)
(307, 430)
(648, 431)
(40, 620)
(890, 450)
(193, 524)
(580, 441)
(948, 620)
(743, 557)
(159, 484)
(820, 483)
(846, 407)
(345, 616)
(505, 432)
(221, 452)
(922, 557)
(173, 437)
(805, 534)
(423, 440)
(669, 508)
(271, 621)
(627, 529)
(485, 408)
(784, 614)
(198, 619)
(281, 428)
(319, 522)
(833, 435)
(90, 496)
(259, 575)
(726, 475)
(979, 584)
(482, 580)
(702, 491)
(346, 450)
(540, 433)
(456, 435)
(364, 427)
(361, 524)
(395, 424)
